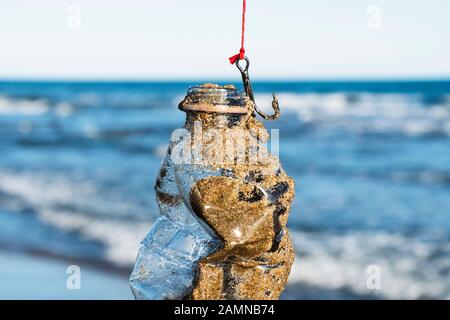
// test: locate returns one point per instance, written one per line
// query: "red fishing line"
(241, 53)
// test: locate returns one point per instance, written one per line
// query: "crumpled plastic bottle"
(222, 225)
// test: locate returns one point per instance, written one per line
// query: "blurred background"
(88, 100)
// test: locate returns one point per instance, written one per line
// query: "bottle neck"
(215, 120)
(215, 99)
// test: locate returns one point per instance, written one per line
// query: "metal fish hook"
(249, 92)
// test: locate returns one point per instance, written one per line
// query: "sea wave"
(54, 201)
(27, 107)
(121, 239)
(361, 113)
(412, 114)
(411, 266)
(78, 164)
(43, 190)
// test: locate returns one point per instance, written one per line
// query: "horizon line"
(229, 80)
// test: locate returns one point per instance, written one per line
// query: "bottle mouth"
(214, 98)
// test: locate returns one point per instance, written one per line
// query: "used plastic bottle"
(224, 201)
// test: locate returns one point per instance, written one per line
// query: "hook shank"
(249, 92)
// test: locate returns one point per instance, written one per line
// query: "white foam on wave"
(26, 107)
(342, 262)
(366, 112)
(120, 239)
(44, 190)
(43, 193)
(33, 107)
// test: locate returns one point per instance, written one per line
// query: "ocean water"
(371, 161)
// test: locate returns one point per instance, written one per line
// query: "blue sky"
(168, 39)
